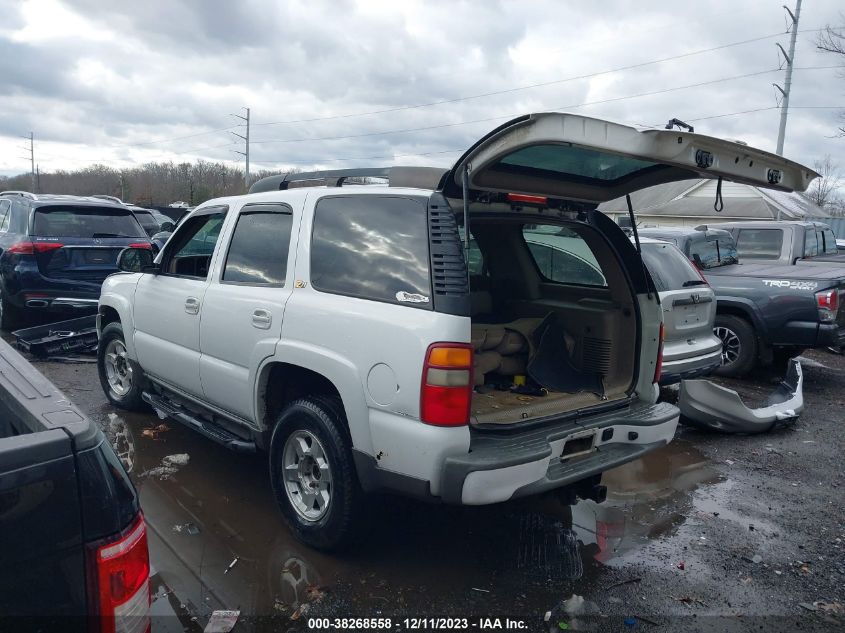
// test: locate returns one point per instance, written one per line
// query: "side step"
(206, 427)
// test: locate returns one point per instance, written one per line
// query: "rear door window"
(811, 243)
(668, 267)
(68, 221)
(759, 243)
(258, 252)
(372, 247)
(562, 256)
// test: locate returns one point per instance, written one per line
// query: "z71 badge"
(792, 285)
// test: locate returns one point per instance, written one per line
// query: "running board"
(203, 426)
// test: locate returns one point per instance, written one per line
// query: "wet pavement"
(713, 532)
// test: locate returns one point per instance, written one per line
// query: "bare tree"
(824, 190)
(832, 40)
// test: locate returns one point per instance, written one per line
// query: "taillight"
(146, 245)
(658, 367)
(121, 571)
(30, 248)
(827, 302)
(446, 391)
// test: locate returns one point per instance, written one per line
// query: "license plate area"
(578, 445)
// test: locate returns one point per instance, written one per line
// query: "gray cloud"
(165, 69)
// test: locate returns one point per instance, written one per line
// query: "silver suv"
(339, 328)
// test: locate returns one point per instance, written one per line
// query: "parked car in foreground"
(784, 242)
(340, 332)
(73, 543)
(690, 347)
(764, 312)
(55, 252)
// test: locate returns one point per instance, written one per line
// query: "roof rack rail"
(102, 196)
(415, 177)
(19, 194)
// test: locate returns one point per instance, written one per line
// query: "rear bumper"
(503, 466)
(27, 288)
(708, 405)
(807, 334)
(674, 371)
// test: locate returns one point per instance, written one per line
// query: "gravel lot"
(713, 532)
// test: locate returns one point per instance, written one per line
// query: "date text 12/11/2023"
(419, 624)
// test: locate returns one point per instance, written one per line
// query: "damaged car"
(339, 328)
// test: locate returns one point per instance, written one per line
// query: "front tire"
(739, 345)
(121, 378)
(313, 474)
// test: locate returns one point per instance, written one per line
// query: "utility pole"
(31, 149)
(245, 138)
(787, 85)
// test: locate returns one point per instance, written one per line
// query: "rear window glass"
(668, 267)
(710, 253)
(372, 247)
(562, 256)
(258, 253)
(759, 243)
(68, 221)
(572, 161)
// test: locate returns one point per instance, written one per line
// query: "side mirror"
(136, 260)
(167, 227)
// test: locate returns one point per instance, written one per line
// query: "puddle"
(517, 557)
(510, 557)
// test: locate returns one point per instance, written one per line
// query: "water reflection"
(517, 557)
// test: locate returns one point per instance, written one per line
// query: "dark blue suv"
(55, 251)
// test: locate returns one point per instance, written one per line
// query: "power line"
(529, 86)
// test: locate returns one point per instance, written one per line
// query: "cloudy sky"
(354, 83)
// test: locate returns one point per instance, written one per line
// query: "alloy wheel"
(307, 475)
(731, 345)
(118, 368)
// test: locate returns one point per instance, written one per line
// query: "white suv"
(367, 341)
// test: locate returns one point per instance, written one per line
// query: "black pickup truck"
(765, 311)
(784, 242)
(73, 542)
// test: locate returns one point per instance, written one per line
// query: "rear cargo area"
(545, 345)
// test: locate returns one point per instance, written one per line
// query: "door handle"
(261, 319)
(192, 305)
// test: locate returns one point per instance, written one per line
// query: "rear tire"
(739, 345)
(313, 474)
(121, 378)
(10, 316)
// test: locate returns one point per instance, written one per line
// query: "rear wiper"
(110, 235)
(694, 282)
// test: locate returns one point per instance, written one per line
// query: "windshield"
(70, 221)
(668, 267)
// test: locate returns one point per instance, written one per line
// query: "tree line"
(154, 184)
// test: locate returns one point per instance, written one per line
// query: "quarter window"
(372, 247)
(258, 253)
(562, 256)
(5, 215)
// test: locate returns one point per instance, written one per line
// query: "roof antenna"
(677, 122)
(719, 204)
